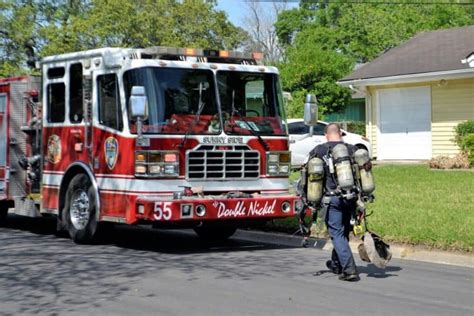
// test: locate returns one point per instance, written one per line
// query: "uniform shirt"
(321, 151)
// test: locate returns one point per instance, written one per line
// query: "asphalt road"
(145, 272)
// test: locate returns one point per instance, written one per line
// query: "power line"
(383, 2)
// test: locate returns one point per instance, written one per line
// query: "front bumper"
(215, 208)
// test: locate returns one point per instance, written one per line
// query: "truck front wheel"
(80, 210)
(215, 232)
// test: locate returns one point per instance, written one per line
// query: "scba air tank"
(315, 180)
(362, 159)
(342, 164)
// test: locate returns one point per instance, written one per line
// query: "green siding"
(354, 112)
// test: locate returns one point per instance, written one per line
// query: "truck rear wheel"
(215, 232)
(80, 210)
(3, 213)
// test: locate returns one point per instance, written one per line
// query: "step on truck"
(176, 138)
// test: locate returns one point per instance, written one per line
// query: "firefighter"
(336, 200)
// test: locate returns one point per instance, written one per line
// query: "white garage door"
(404, 123)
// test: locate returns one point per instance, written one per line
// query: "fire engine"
(173, 137)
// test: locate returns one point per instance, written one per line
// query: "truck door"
(76, 145)
(109, 145)
(63, 127)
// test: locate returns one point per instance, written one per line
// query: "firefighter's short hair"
(332, 128)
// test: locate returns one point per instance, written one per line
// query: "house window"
(56, 102)
(75, 93)
(110, 111)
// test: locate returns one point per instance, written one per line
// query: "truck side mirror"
(311, 110)
(138, 103)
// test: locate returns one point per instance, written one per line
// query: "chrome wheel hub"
(79, 209)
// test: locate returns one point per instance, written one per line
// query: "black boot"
(351, 277)
(333, 267)
(350, 272)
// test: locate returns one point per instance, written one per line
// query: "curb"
(402, 252)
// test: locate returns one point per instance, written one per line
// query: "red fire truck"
(168, 136)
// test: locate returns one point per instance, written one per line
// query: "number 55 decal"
(163, 211)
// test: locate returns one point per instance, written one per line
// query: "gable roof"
(426, 52)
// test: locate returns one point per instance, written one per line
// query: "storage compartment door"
(3, 144)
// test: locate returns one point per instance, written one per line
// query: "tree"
(311, 69)
(32, 29)
(329, 39)
(259, 24)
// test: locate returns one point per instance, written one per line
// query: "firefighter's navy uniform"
(338, 216)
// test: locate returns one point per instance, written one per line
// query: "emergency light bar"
(173, 53)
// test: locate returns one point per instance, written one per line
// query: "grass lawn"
(417, 205)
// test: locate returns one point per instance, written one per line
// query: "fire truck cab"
(169, 136)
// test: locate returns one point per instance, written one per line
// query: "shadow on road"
(370, 270)
(43, 274)
(374, 272)
(141, 237)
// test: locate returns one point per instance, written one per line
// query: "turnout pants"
(338, 218)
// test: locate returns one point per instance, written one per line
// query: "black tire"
(3, 213)
(80, 210)
(215, 232)
(360, 146)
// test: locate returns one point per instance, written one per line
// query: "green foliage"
(465, 138)
(325, 40)
(468, 146)
(33, 29)
(310, 69)
(294, 108)
(462, 129)
(289, 23)
(356, 127)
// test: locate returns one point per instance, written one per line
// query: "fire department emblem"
(111, 152)
(54, 149)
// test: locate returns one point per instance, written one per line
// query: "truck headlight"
(155, 169)
(140, 169)
(278, 163)
(157, 163)
(284, 169)
(170, 169)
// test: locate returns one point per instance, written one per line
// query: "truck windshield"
(251, 103)
(180, 101)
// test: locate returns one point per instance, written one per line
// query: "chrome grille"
(212, 162)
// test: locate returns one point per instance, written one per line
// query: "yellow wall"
(451, 103)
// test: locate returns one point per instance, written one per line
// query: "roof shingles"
(426, 52)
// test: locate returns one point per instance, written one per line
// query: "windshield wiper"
(254, 133)
(196, 119)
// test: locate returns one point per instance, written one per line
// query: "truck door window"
(110, 111)
(56, 102)
(55, 73)
(75, 93)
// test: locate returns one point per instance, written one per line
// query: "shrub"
(460, 161)
(356, 128)
(468, 146)
(465, 139)
(462, 130)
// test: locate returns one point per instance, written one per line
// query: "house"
(417, 93)
(353, 112)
